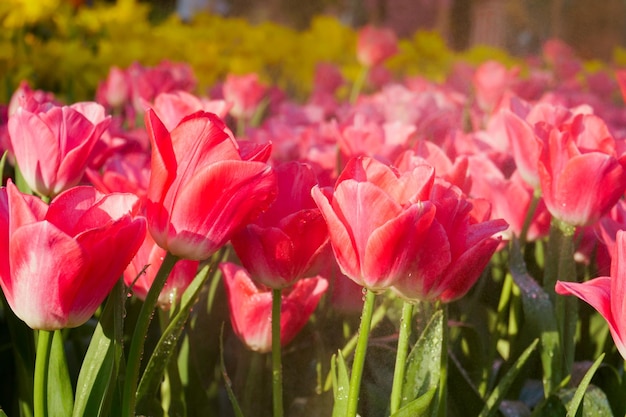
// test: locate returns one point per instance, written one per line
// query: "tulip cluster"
(286, 218)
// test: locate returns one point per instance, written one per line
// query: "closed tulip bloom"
(60, 261)
(251, 307)
(280, 246)
(52, 144)
(606, 294)
(244, 93)
(378, 221)
(375, 45)
(201, 189)
(581, 177)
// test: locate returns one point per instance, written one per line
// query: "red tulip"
(53, 144)
(378, 221)
(251, 307)
(201, 188)
(581, 177)
(60, 261)
(280, 246)
(606, 294)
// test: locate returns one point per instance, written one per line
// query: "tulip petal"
(250, 309)
(393, 250)
(45, 264)
(298, 305)
(596, 293)
(580, 198)
(239, 191)
(23, 208)
(341, 241)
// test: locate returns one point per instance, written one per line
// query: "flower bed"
(311, 233)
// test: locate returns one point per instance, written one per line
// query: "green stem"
(358, 84)
(359, 354)
(377, 317)
(443, 376)
(532, 208)
(42, 366)
(139, 335)
(401, 355)
(277, 366)
(560, 265)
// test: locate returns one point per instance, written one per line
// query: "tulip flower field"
(380, 243)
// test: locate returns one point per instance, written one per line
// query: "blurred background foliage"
(68, 46)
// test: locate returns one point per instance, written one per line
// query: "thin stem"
(358, 84)
(42, 366)
(139, 335)
(443, 375)
(401, 355)
(277, 366)
(532, 208)
(377, 317)
(359, 354)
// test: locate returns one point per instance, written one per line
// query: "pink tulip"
(173, 107)
(375, 45)
(251, 307)
(378, 221)
(491, 80)
(244, 93)
(201, 188)
(140, 273)
(581, 177)
(123, 172)
(606, 294)
(281, 245)
(510, 198)
(60, 261)
(53, 144)
(459, 245)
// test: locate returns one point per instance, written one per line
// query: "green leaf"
(98, 374)
(417, 407)
(2, 413)
(539, 318)
(594, 402)
(60, 392)
(3, 162)
(424, 361)
(227, 382)
(498, 394)
(572, 407)
(463, 397)
(165, 348)
(613, 384)
(550, 407)
(23, 347)
(341, 385)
